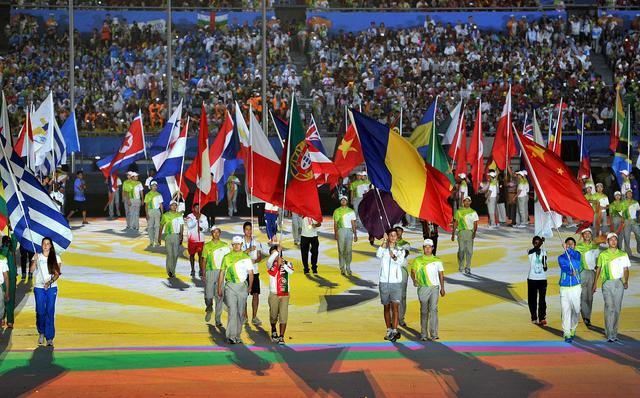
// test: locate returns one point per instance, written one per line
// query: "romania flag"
(395, 166)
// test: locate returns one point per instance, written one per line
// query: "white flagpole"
(401, 121)
(251, 160)
(183, 155)
(433, 132)
(555, 138)
(628, 138)
(581, 137)
(144, 144)
(506, 152)
(286, 170)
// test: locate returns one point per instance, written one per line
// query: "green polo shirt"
(427, 270)
(342, 216)
(229, 263)
(604, 263)
(167, 222)
(149, 201)
(616, 209)
(585, 248)
(466, 218)
(209, 251)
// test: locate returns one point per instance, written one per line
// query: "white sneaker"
(41, 339)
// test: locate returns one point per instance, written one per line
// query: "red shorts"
(194, 247)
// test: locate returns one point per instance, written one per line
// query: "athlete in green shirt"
(615, 214)
(427, 273)
(172, 225)
(345, 232)
(153, 211)
(465, 221)
(589, 252)
(213, 253)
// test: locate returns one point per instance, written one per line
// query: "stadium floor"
(122, 326)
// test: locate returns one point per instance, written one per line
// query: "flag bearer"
(390, 281)
(406, 246)
(570, 288)
(279, 289)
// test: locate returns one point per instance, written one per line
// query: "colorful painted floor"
(123, 326)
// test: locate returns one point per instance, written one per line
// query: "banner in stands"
(88, 20)
(622, 17)
(359, 21)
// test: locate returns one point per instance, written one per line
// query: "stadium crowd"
(380, 69)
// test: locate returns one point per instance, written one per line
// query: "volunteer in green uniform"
(153, 212)
(210, 262)
(345, 232)
(172, 225)
(427, 273)
(589, 252)
(465, 222)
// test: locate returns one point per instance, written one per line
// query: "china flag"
(557, 188)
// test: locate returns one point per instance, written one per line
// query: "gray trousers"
(345, 241)
(523, 210)
(126, 211)
(153, 225)
(133, 217)
(402, 308)
(465, 250)
(616, 221)
(3, 305)
(428, 296)
(612, 292)
(587, 278)
(232, 205)
(172, 242)
(296, 227)
(235, 295)
(631, 226)
(211, 293)
(491, 208)
(114, 205)
(356, 204)
(604, 226)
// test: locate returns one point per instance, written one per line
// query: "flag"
(212, 21)
(585, 166)
(621, 158)
(169, 175)
(348, 154)
(322, 166)
(555, 140)
(299, 193)
(43, 130)
(199, 172)
(420, 137)
(527, 131)
(169, 134)
(282, 128)
(537, 133)
(222, 143)
(458, 148)
(449, 136)
(557, 188)
(618, 121)
(436, 156)
(395, 166)
(262, 165)
(69, 132)
(504, 147)
(4, 215)
(475, 156)
(31, 211)
(58, 156)
(24, 144)
(131, 149)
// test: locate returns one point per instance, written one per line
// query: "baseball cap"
(427, 242)
(625, 172)
(173, 202)
(617, 193)
(586, 230)
(612, 235)
(492, 173)
(466, 198)
(344, 197)
(154, 182)
(462, 175)
(213, 228)
(237, 240)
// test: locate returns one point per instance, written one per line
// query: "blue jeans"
(45, 310)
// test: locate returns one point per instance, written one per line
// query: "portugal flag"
(300, 194)
(556, 186)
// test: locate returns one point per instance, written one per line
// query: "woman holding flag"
(45, 267)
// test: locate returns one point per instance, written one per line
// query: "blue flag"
(70, 133)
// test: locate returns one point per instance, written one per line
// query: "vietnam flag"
(395, 166)
(476, 151)
(300, 194)
(504, 147)
(557, 188)
(348, 154)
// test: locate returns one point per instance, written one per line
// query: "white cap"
(343, 197)
(362, 173)
(129, 173)
(462, 175)
(586, 230)
(134, 174)
(492, 173)
(617, 193)
(154, 182)
(213, 228)
(237, 240)
(173, 202)
(625, 172)
(466, 198)
(427, 242)
(584, 176)
(612, 235)
(523, 172)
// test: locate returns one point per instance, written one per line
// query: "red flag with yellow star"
(348, 154)
(557, 188)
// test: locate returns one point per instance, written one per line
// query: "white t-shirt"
(617, 266)
(633, 210)
(309, 230)
(523, 189)
(4, 267)
(390, 269)
(41, 274)
(253, 254)
(536, 266)
(242, 269)
(433, 272)
(493, 190)
(197, 228)
(604, 202)
(58, 196)
(137, 190)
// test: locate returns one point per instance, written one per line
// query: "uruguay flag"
(168, 175)
(395, 166)
(131, 149)
(168, 136)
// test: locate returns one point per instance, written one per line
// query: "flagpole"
(506, 152)
(555, 137)
(628, 137)
(549, 134)
(286, 170)
(183, 156)
(581, 137)
(251, 160)
(400, 120)
(433, 132)
(481, 155)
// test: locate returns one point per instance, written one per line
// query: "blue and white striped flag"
(32, 213)
(58, 156)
